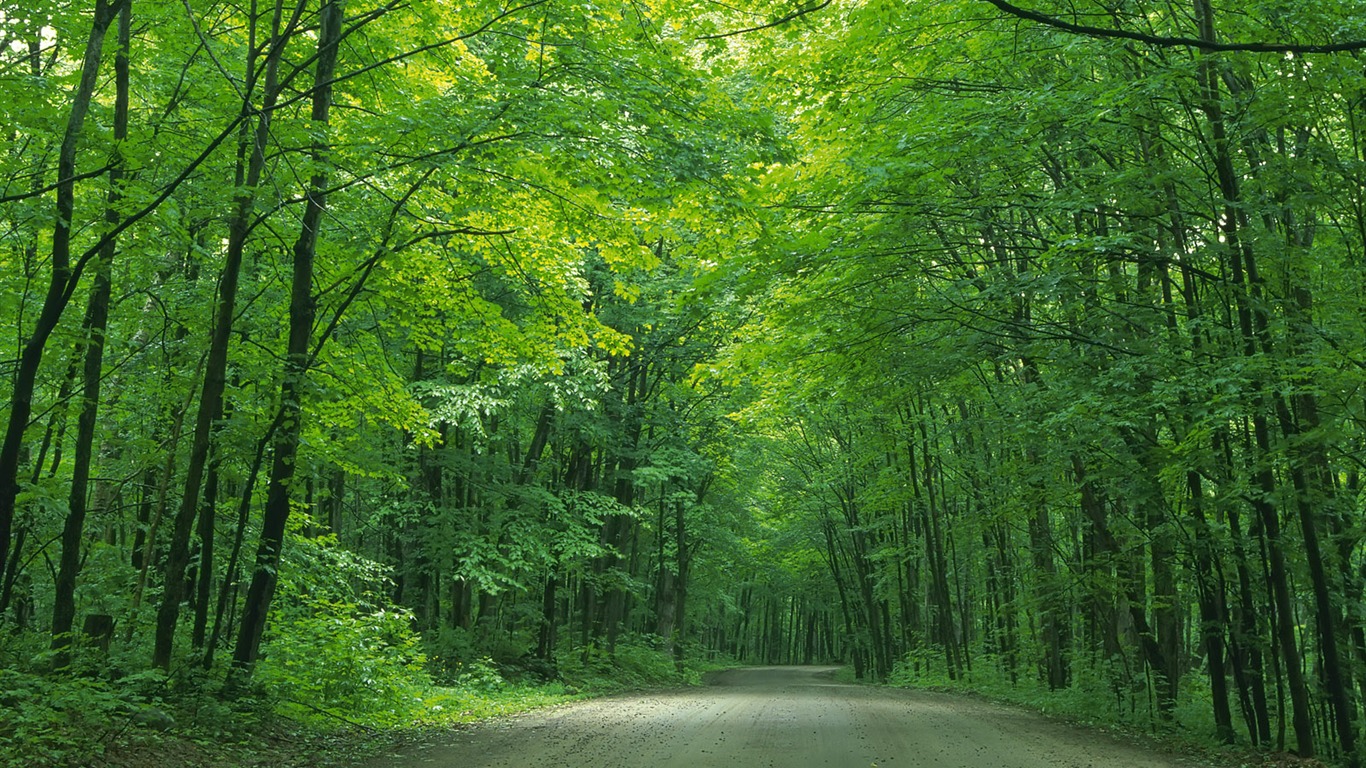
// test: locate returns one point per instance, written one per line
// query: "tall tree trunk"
(64, 274)
(1052, 609)
(204, 570)
(1159, 639)
(301, 313)
(682, 560)
(1311, 477)
(96, 322)
(251, 162)
(1234, 245)
(1213, 617)
(227, 590)
(934, 549)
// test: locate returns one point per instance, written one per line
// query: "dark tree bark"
(228, 589)
(1238, 252)
(251, 162)
(682, 560)
(64, 274)
(301, 313)
(96, 322)
(1213, 616)
(203, 576)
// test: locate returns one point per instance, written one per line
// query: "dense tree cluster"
(958, 339)
(1075, 322)
(388, 277)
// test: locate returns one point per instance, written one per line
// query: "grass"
(1094, 701)
(73, 721)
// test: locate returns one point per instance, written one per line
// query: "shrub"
(445, 648)
(336, 647)
(48, 719)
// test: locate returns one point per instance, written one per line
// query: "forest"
(350, 348)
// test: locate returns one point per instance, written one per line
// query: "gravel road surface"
(779, 717)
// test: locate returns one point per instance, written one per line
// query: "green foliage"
(638, 662)
(48, 719)
(479, 676)
(335, 657)
(336, 648)
(1098, 696)
(446, 648)
(901, 332)
(443, 707)
(51, 721)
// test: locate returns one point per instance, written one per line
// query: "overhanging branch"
(776, 22)
(1173, 42)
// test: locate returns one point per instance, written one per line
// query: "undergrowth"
(1097, 694)
(1100, 697)
(342, 672)
(302, 709)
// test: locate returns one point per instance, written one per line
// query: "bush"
(56, 719)
(480, 675)
(336, 648)
(638, 662)
(341, 659)
(47, 721)
(445, 649)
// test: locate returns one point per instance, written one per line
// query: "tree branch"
(1173, 42)
(40, 191)
(777, 22)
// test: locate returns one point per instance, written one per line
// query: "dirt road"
(780, 717)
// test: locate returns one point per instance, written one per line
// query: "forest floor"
(787, 717)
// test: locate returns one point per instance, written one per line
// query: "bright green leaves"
(336, 646)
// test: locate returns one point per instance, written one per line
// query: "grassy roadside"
(85, 723)
(1190, 735)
